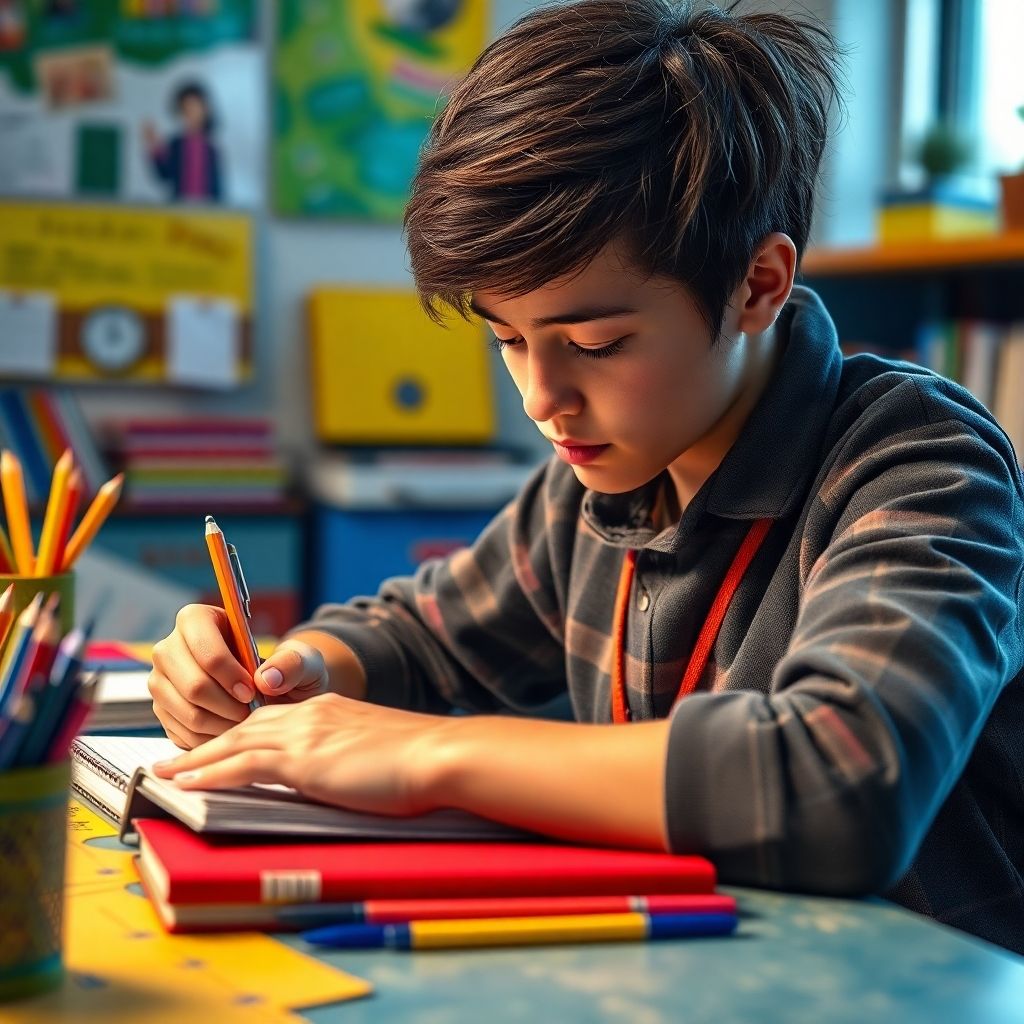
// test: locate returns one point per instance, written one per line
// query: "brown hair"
(685, 132)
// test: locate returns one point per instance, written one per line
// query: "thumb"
(294, 665)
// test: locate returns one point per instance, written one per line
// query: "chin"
(606, 481)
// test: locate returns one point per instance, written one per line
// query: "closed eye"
(603, 352)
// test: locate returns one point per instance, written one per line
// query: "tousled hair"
(681, 131)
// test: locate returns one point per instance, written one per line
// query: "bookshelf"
(882, 294)
(953, 254)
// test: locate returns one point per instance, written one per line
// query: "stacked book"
(39, 425)
(213, 463)
(262, 857)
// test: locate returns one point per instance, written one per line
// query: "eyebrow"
(572, 316)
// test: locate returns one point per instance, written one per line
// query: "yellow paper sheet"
(123, 968)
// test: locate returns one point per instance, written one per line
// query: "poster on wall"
(133, 100)
(111, 294)
(356, 85)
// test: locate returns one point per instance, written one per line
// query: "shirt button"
(643, 600)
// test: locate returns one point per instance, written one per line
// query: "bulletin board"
(96, 100)
(356, 85)
(159, 296)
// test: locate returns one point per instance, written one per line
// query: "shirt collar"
(765, 472)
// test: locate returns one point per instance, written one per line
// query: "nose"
(548, 390)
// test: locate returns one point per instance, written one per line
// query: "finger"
(237, 770)
(178, 733)
(195, 718)
(252, 734)
(293, 665)
(204, 629)
(174, 660)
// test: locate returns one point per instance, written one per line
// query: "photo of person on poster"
(187, 162)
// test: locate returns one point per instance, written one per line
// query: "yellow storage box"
(933, 213)
(384, 373)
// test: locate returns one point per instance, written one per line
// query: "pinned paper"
(122, 966)
(203, 342)
(28, 334)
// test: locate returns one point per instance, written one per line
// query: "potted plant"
(1011, 187)
(945, 205)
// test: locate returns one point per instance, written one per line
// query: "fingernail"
(186, 776)
(164, 764)
(273, 678)
(242, 692)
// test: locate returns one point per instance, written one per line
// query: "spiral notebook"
(111, 774)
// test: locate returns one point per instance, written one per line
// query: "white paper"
(28, 334)
(202, 342)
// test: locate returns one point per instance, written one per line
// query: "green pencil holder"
(33, 837)
(26, 588)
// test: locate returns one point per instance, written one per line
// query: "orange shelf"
(911, 256)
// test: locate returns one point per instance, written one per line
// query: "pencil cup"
(33, 834)
(26, 588)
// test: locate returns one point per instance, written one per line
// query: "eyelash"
(603, 352)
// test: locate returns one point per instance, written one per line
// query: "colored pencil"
(72, 721)
(7, 562)
(398, 911)
(17, 651)
(56, 508)
(13, 729)
(521, 931)
(6, 616)
(54, 699)
(95, 516)
(76, 487)
(12, 482)
(35, 669)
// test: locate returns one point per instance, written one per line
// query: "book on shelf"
(38, 424)
(202, 883)
(405, 479)
(223, 462)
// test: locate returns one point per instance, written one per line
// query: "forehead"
(612, 280)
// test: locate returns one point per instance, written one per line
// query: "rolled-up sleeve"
(481, 629)
(908, 628)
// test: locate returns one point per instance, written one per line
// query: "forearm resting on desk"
(597, 783)
(587, 783)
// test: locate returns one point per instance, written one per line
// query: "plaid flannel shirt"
(860, 725)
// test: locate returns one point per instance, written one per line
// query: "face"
(618, 371)
(193, 113)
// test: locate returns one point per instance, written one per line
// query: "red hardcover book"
(185, 867)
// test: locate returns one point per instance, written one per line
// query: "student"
(622, 189)
(188, 163)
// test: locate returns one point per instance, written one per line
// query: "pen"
(401, 911)
(521, 931)
(235, 597)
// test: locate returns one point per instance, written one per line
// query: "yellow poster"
(91, 292)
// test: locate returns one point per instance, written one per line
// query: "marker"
(399, 911)
(521, 931)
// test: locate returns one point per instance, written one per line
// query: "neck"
(701, 459)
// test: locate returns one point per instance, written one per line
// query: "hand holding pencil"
(59, 547)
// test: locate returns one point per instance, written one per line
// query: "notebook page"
(126, 753)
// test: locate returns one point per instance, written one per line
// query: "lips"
(577, 453)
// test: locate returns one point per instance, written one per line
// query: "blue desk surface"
(794, 959)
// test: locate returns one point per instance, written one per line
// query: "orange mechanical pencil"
(235, 598)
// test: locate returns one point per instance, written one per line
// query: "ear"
(766, 287)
